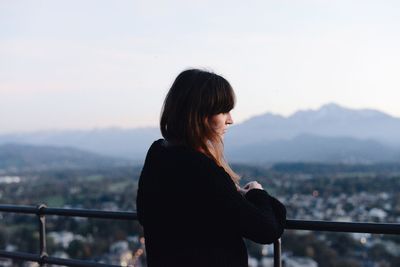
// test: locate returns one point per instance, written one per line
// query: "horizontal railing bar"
(52, 260)
(119, 215)
(78, 263)
(354, 227)
(19, 256)
(350, 227)
(18, 209)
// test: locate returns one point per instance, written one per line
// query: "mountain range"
(331, 133)
(22, 157)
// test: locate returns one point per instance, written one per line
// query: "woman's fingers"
(249, 186)
(253, 184)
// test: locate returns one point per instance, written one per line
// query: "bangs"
(222, 98)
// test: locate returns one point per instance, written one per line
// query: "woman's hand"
(249, 186)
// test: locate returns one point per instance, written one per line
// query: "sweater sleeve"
(257, 216)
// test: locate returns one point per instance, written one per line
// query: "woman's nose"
(229, 119)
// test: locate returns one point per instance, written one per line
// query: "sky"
(70, 64)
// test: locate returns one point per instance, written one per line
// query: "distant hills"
(38, 158)
(331, 133)
(330, 120)
(311, 148)
(130, 144)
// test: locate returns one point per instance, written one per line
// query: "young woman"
(189, 202)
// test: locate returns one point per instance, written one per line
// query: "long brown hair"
(194, 97)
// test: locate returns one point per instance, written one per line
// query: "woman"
(189, 201)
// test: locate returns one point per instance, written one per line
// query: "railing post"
(42, 233)
(277, 253)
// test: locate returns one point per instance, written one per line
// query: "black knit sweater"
(193, 215)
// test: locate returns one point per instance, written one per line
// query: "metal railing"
(41, 211)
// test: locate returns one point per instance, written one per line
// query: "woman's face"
(220, 122)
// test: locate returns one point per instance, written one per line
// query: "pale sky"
(73, 64)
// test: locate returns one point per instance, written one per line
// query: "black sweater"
(193, 215)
